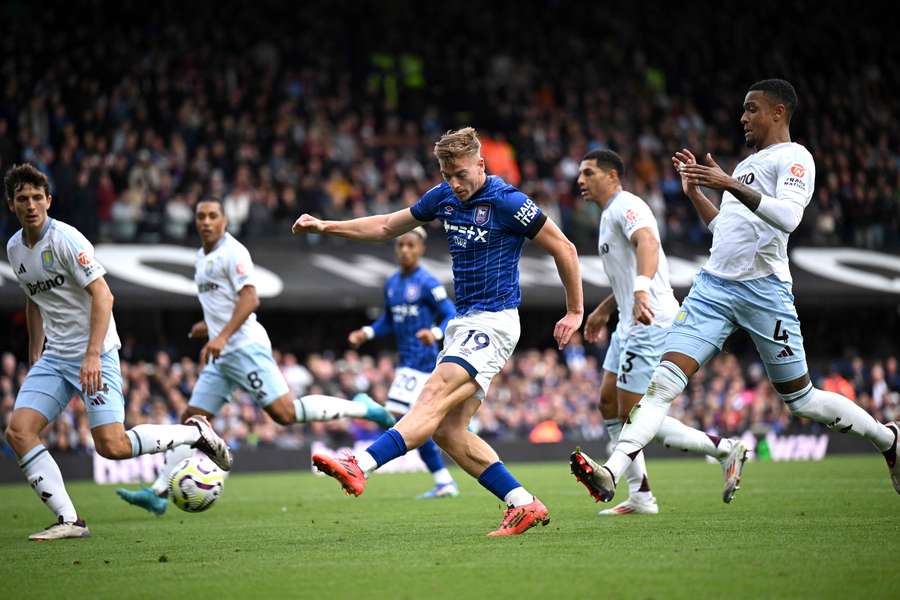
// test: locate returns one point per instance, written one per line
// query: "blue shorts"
(52, 381)
(634, 359)
(763, 307)
(250, 367)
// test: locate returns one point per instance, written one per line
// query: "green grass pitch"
(795, 530)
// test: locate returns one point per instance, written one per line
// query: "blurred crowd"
(541, 395)
(136, 110)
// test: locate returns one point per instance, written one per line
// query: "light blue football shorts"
(634, 359)
(762, 307)
(250, 367)
(52, 381)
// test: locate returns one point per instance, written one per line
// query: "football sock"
(840, 414)
(675, 434)
(46, 480)
(317, 407)
(386, 448)
(442, 477)
(636, 473)
(174, 456)
(647, 416)
(431, 455)
(150, 439)
(500, 482)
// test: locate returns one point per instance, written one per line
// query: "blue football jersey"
(414, 302)
(486, 234)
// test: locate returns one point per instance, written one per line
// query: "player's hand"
(680, 160)
(212, 349)
(426, 336)
(709, 175)
(357, 338)
(308, 224)
(90, 374)
(595, 323)
(199, 331)
(566, 326)
(641, 309)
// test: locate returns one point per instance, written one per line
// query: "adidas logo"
(21, 269)
(784, 353)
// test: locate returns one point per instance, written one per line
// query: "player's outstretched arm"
(246, 303)
(101, 313)
(703, 205)
(374, 228)
(34, 323)
(554, 241)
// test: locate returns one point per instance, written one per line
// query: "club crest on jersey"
(411, 293)
(482, 214)
(47, 258)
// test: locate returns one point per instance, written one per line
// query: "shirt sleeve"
(519, 213)
(384, 325)
(77, 256)
(442, 305)
(796, 177)
(636, 215)
(426, 208)
(240, 269)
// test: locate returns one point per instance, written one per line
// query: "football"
(195, 484)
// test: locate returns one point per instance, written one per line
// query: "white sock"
(366, 462)
(840, 414)
(150, 439)
(317, 407)
(518, 497)
(442, 476)
(46, 480)
(647, 416)
(675, 434)
(173, 457)
(635, 473)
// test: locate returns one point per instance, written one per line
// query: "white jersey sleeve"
(240, 271)
(634, 214)
(76, 255)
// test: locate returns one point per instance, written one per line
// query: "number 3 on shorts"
(481, 340)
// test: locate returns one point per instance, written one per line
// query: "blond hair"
(456, 144)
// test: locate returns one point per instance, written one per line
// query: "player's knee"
(282, 412)
(114, 448)
(18, 438)
(798, 400)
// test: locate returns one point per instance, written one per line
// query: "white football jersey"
(220, 275)
(744, 246)
(53, 275)
(624, 214)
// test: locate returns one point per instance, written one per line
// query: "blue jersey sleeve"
(426, 208)
(440, 303)
(519, 214)
(384, 325)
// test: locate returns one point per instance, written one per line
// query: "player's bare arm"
(247, 302)
(198, 331)
(712, 176)
(703, 205)
(101, 312)
(357, 338)
(646, 248)
(34, 323)
(551, 239)
(374, 228)
(598, 318)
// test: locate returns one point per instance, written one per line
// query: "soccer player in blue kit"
(486, 221)
(416, 312)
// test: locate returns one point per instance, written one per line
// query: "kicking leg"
(317, 407)
(449, 385)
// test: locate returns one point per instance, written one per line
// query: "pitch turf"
(812, 530)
